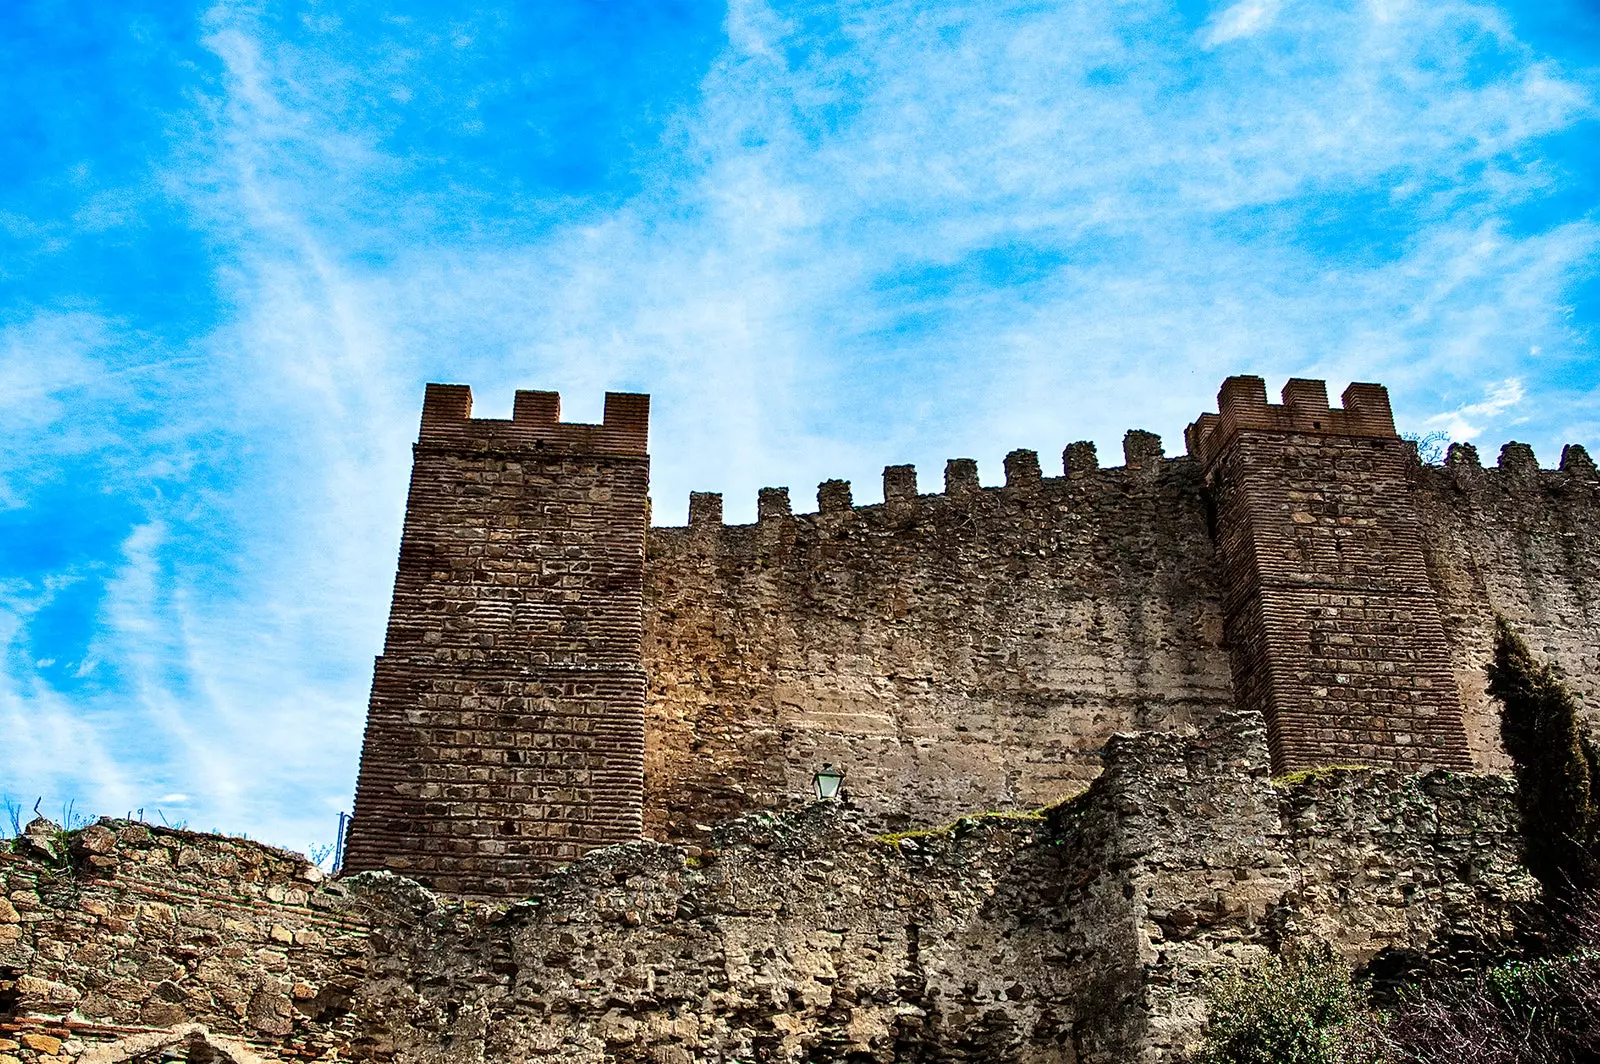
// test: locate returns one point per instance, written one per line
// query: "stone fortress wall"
(957, 651)
(1522, 540)
(975, 649)
(556, 677)
(1299, 590)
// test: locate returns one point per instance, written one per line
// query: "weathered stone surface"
(1520, 542)
(163, 940)
(961, 651)
(1079, 936)
(956, 651)
(192, 1040)
(1078, 933)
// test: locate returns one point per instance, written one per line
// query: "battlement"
(1517, 462)
(1334, 628)
(505, 733)
(1143, 455)
(1242, 405)
(535, 422)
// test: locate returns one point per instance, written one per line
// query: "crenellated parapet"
(1143, 453)
(1517, 463)
(954, 646)
(705, 509)
(535, 423)
(1242, 404)
(1575, 460)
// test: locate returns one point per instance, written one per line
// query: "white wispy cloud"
(48, 362)
(1467, 421)
(1243, 19)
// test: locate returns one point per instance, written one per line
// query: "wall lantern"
(827, 780)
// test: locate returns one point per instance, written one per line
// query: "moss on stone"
(961, 825)
(1315, 775)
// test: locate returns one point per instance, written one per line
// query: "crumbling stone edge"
(1084, 933)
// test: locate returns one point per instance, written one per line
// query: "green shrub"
(1298, 1009)
(1552, 761)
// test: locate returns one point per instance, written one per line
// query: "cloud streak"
(1244, 19)
(1466, 422)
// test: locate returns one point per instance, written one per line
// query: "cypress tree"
(1554, 761)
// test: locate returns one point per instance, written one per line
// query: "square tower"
(1333, 627)
(505, 733)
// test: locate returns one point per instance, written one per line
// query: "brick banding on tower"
(505, 733)
(1333, 627)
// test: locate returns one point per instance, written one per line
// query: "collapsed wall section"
(506, 729)
(788, 938)
(1404, 874)
(1082, 933)
(971, 649)
(1432, 863)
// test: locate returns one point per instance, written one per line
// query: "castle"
(559, 676)
(1104, 735)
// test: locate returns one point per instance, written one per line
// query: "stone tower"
(1332, 624)
(505, 734)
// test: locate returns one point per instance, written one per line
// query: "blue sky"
(235, 241)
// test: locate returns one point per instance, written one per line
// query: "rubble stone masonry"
(1520, 540)
(1078, 934)
(122, 929)
(970, 648)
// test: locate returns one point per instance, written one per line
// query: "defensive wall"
(1076, 934)
(1520, 540)
(966, 649)
(555, 676)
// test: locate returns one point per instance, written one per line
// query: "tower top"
(536, 422)
(1242, 404)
